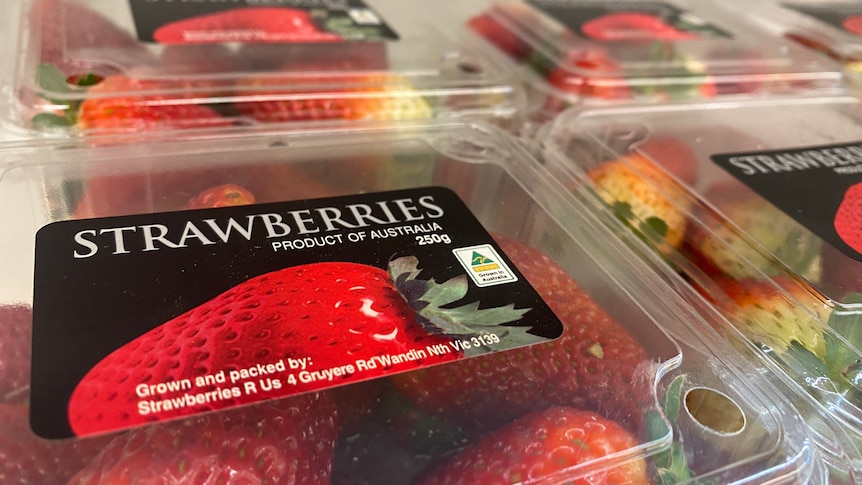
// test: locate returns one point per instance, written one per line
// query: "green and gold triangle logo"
(479, 259)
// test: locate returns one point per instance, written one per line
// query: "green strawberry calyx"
(671, 465)
(54, 84)
(433, 303)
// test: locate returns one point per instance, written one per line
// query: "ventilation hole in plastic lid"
(84, 79)
(714, 410)
(470, 67)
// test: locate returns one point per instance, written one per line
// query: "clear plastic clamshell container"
(374, 304)
(756, 206)
(91, 67)
(833, 28)
(603, 51)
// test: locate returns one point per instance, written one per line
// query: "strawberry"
(821, 45)
(644, 196)
(278, 442)
(169, 190)
(848, 217)
(15, 323)
(853, 24)
(246, 24)
(590, 73)
(26, 459)
(545, 446)
(673, 155)
(308, 59)
(225, 195)
(632, 26)
(350, 311)
(67, 30)
(742, 235)
(131, 110)
(775, 312)
(593, 365)
(487, 26)
(385, 98)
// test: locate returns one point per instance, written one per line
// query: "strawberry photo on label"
(317, 316)
(593, 365)
(246, 24)
(848, 218)
(632, 26)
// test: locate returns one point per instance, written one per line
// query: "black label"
(151, 317)
(250, 21)
(847, 17)
(629, 21)
(820, 187)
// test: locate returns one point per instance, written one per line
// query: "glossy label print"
(144, 318)
(629, 21)
(845, 16)
(820, 187)
(281, 21)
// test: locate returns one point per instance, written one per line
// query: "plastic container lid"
(101, 66)
(832, 28)
(755, 204)
(140, 250)
(656, 51)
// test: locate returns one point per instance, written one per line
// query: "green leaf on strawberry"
(671, 464)
(429, 299)
(52, 80)
(848, 324)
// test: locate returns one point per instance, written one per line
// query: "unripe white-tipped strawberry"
(777, 312)
(645, 196)
(745, 236)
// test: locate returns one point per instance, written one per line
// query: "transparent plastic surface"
(638, 389)
(830, 28)
(90, 68)
(751, 204)
(654, 51)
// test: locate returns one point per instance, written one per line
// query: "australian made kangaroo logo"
(484, 265)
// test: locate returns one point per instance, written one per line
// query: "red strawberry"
(247, 24)
(26, 459)
(593, 365)
(225, 195)
(632, 26)
(308, 59)
(853, 24)
(67, 30)
(169, 190)
(589, 73)
(315, 98)
(848, 218)
(821, 45)
(546, 446)
(15, 342)
(131, 109)
(282, 442)
(500, 36)
(674, 156)
(332, 313)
